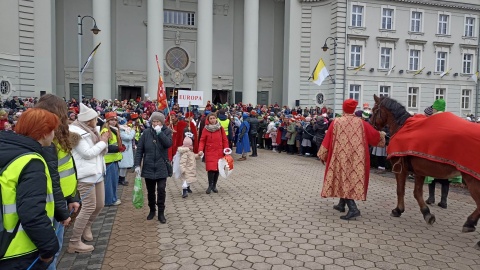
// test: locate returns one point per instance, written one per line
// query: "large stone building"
(246, 50)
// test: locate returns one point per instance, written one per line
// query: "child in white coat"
(187, 165)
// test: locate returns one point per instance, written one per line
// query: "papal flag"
(475, 77)
(319, 73)
(445, 73)
(418, 71)
(90, 57)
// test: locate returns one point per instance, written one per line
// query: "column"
(250, 51)
(154, 45)
(102, 63)
(205, 49)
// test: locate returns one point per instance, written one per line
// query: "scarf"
(214, 127)
(92, 131)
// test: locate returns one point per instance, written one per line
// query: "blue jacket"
(243, 143)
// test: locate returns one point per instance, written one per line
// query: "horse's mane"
(398, 111)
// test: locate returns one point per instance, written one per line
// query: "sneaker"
(118, 202)
(274, 150)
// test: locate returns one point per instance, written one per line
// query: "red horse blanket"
(442, 137)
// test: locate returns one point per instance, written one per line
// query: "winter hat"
(366, 114)
(349, 105)
(187, 142)
(109, 115)
(359, 113)
(439, 105)
(158, 116)
(121, 120)
(428, 111)
(271, 118)
(245, 115)
(86, 114)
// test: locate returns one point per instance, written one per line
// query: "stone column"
(102, 69)
(154, 45)
(205, 49)
(250, 51)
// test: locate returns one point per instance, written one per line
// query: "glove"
(137, 170)
(158, 129)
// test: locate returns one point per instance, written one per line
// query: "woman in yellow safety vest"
(26, 193)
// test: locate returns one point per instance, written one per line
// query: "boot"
(210, 182)
(353, 211)
(431, 193)
(122, 181)
(161, 217)
(151, 215)
(445, 189)
(214, 186)
(87, 233)
(79, 247)
(189, 190)
(340, 206)
(185, 193)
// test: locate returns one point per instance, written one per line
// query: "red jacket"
(212, 145)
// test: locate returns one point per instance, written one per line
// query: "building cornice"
(436, 3)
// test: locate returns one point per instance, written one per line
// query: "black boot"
(353, 211)
(340, 206)
(122, 181)
(161, 217)
(151, 215)
(445, 189)
(189, 190)
(431, 193)
(214, 184)
(210, 182)
(184, 193)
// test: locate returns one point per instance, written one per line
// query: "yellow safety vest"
(21, 243)
(138, 133)
(225, 124)
(66, 170)
(112, 157)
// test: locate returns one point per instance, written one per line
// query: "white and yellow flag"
(475, 77)
(320, 73)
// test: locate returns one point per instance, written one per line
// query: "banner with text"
(186, 98)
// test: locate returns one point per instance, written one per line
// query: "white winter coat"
(127, 135)
(88, 157)
(188, 165)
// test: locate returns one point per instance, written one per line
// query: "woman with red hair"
(27, 193)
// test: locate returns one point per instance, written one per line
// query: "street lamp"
(325, 48)
(95, 31)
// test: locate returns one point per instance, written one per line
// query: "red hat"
(173, 113)
(134, 116)
(349, 105)
(188, 114)
(110, 115)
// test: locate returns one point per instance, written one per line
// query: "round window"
(177, 58)
(4, 87)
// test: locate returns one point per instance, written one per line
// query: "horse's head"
(379, 114)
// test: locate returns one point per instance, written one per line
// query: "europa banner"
(187, 98)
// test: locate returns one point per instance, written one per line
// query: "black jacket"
(253, 125)
(153, 150)
(31, 192)
(308, 132)
(320, 128)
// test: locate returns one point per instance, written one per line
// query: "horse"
(388, 112)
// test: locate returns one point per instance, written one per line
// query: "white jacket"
(88, 157)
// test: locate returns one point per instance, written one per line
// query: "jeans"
(111, 183)
(253, 142)
(157, 185)
(59, 230)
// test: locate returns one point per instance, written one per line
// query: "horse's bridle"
(375, 116)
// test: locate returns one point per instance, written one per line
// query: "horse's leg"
(473, 186)
(418, 194)
(401, 177)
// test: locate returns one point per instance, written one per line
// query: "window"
(440, 93)
(384, 91)
(178, 17)
(412, 97)
(414, 60)
(441, 62)
(443, 24)
(355, 55)
(385, 57)
(355, 92)
(177, 58)
(416, 21)
(466, 97)
(4, 87)
(467, 63)
(357, 16)
(387, 19)
(469, 26)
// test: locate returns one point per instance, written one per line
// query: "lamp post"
(95, 31)
(325, 48)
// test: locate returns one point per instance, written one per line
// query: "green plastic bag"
(137, 193)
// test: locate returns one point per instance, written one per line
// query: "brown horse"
(388, 112)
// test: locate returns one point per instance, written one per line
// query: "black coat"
(254, 123)
(307, 132)
(320, 128)
(153, 150)
(31, 192)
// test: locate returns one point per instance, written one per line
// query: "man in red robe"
(345, 151)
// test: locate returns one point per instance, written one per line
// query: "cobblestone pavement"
(269, 215)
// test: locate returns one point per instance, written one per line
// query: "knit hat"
(359, 113)
(366, 114)
(121, 120)
(271, 118)
(428, 111)
(349, 105)
(187, 142)
(86, 114)
(109, 115)
(158, 116)
(439, 105)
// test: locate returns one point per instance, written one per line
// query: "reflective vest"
(66, 170)
(112, 157)
(21, 243)
(138, 133)
(225, 124)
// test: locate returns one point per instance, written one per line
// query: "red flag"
(161, 94)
